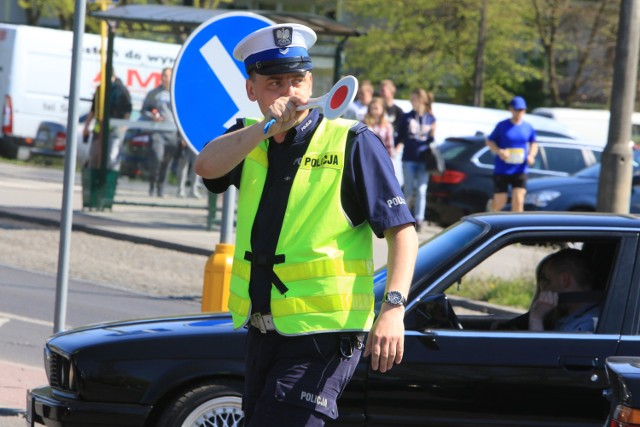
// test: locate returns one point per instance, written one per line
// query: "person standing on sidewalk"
(513, 141)
(311, 193)
(358, 108)
(417, 131)
(119, 108)
(394, 115)
(185, 157)
(164, 144)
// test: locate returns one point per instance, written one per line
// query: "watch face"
(395, 298)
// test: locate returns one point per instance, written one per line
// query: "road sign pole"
(207, 95)
(62, 279)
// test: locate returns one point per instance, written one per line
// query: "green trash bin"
(95, 196)
(212, 208)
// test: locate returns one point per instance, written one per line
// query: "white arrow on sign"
(233, 80)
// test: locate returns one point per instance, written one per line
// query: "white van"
(591, 125)
(35, 74)
(454, 120)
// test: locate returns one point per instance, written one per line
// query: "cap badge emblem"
(282, 36)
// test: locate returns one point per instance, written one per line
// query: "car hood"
(539, 184)
(142, 330)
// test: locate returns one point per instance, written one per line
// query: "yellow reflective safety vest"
(323, 266)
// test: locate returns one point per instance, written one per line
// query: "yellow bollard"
(217, 277)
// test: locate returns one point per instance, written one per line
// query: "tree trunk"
(614, 186)
(478, 75)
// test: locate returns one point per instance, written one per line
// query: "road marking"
(233, 81)
(5, 317)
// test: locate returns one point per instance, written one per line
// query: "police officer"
(311, 192)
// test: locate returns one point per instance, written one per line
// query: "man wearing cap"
(513, 141)
(311, 193)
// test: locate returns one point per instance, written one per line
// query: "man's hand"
(544, 303)
(385, 342)
(503, 154)
(284, 111)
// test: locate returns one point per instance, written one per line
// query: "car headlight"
(541, 199)
(60, 371)
(47, 362)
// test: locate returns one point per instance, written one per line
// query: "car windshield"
(452, 147)
(434, 252)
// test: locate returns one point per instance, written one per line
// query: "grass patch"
(513, 292)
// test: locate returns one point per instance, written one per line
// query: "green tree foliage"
(432, 43)
(63, 10)
(36, 9)
(578, 40)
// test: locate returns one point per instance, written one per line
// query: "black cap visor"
(282, 66)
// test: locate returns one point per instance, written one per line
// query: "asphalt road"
(27, 310)
(26, 321)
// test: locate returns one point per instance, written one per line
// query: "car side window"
(538, 164)
(486, 157)
(635, 133)
(499, 288)
(497, 293)
(564, 159)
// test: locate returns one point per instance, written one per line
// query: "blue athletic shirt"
(370, 191)
(516, 138)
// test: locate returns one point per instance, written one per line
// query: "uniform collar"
(303, 130)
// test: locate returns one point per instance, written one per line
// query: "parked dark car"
(458, 368)
(577, 192)
(624, 376)
(466, 185)
(51, 141)
(134, 153)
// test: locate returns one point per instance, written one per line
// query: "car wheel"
(208, 404)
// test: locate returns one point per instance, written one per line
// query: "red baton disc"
(339, 97)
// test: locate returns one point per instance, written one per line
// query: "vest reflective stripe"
(310, 270)
(328, 266)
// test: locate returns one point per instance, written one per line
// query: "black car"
(624, 376)
(459, 367)
(466, 185)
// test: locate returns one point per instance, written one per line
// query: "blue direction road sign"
(208, 87)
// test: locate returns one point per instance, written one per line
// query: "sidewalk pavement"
(35, 194)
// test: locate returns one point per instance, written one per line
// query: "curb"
(111, 234)
(11, 412)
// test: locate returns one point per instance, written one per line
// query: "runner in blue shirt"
(513, 141)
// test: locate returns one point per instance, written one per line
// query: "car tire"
(215, 403)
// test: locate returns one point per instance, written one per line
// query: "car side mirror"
(435, 312)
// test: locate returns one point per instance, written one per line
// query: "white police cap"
(277, 49)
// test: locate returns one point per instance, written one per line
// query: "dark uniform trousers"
(294, 381)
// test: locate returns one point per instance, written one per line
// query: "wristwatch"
(394, 298)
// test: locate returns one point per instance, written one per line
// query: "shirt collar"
(300, 132)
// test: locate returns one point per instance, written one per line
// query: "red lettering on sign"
(134, 79)
(154, 79)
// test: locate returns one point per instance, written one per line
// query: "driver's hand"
(544, 303)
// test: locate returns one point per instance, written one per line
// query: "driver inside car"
(562, 272)
(564, 298)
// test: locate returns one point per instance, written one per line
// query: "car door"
(459, 377)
